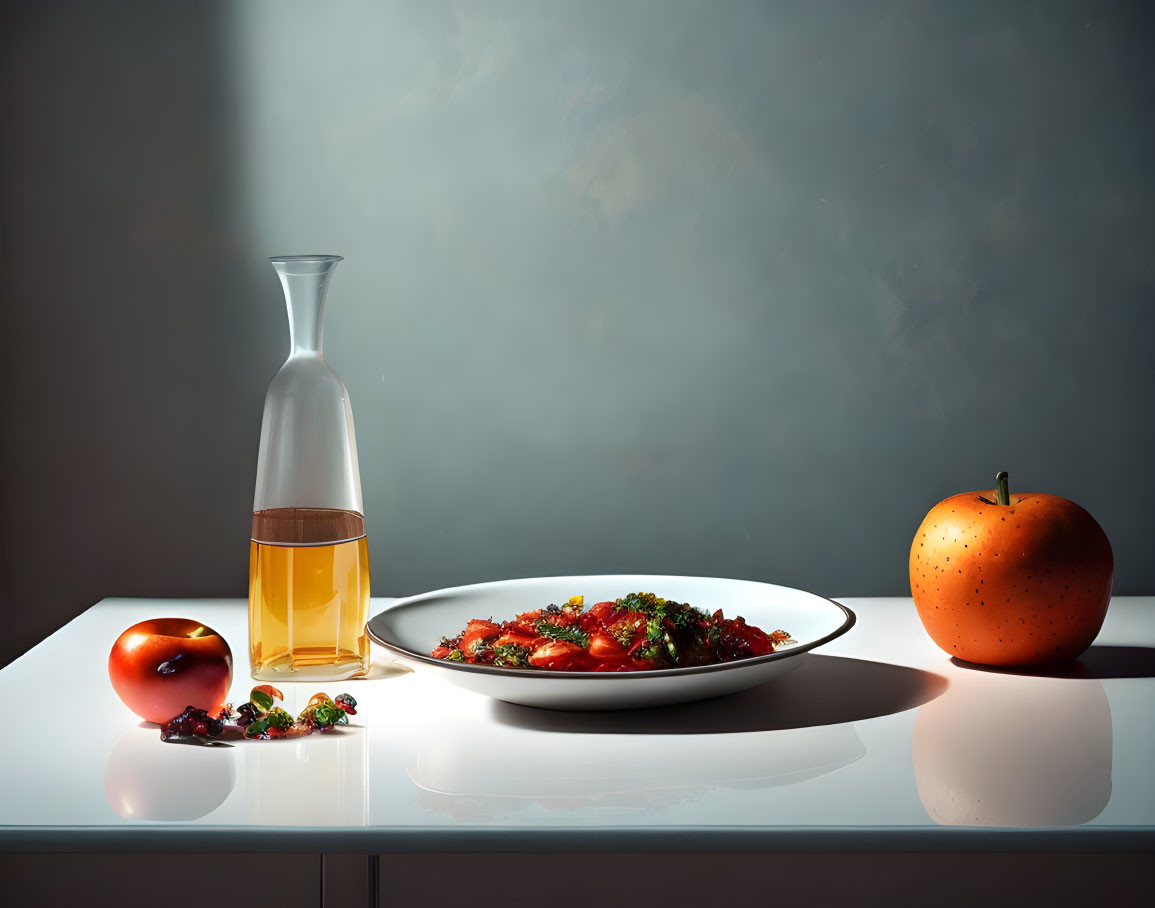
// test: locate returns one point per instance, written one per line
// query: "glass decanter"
(308, 558)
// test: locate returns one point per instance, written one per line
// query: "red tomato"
(159, 667)
(603, 611)
(529, 641)
(603, 646)
(740, 640)
(580, 662)
(631, 623)
(615, 665)
(478, 630)
(591, 624)
(556, 654)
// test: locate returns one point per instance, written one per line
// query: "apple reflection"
(1014, 751)
(146, 779)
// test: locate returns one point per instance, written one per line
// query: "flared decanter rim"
(306, 258)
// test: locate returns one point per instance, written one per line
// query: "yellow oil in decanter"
(308, 600)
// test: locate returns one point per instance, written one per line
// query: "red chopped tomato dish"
(638, 632)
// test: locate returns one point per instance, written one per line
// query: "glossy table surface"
(878, 742)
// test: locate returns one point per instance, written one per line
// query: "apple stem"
(1004, 491)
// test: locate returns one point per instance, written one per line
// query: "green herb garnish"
(260, 717)
(566, 634)
(511, 655)
(680, 614)
(654, 628)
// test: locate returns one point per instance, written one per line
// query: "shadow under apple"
(1099, 661)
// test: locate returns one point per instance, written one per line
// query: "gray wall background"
(712, 288)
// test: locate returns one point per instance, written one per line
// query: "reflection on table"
(1014, 751)
(146, 779)
(319, 780)
(476, 768)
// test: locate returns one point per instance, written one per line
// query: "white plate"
(412, 627)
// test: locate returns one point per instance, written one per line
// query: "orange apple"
(1003, 579)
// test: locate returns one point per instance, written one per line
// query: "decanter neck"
(305, 278)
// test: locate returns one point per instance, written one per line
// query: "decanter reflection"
(308, 557)
(316, 780)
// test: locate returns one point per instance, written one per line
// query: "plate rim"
(848, 621)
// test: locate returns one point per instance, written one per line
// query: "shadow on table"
(1098, 662)
(825, 690)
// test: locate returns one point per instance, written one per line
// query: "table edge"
(422, 840)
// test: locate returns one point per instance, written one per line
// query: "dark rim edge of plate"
(849, 619)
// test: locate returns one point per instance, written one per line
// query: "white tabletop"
(879, 742)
